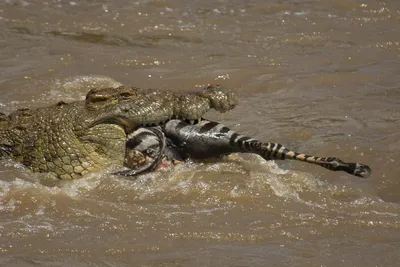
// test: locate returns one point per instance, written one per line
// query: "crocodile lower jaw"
(130, 126)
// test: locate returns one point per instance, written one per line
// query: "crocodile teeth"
(174, 117)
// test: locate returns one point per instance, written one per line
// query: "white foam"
(76, 187)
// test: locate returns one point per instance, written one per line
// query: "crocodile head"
(131, 107)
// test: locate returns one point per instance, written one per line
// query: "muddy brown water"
(321, 77)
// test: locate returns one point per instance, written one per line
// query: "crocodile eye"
(125, 94)
(98, 98)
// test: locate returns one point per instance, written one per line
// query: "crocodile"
(179, 140)
(73, 139)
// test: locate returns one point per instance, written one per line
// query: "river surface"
(321, 77)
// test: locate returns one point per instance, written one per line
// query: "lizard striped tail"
(277, 151)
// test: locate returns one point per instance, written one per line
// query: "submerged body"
(210, 139)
